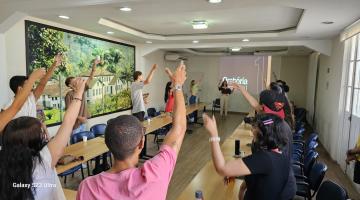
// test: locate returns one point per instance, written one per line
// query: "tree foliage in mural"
(109, 91)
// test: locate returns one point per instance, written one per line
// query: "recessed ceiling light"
(110, 32)
(235, 49)
(148, 42)
(214, 1)
(327, 22)
(125, 9)
(64, 17)
(195, 41)
(199, 24)
(245, 40)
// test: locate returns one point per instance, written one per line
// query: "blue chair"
(99, 131)
(307, 187)
(75, 138)
(331, 190)
(151, 112)
(303, 169)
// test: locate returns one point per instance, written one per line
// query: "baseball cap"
(273, 103)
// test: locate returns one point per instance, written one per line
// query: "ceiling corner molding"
(210, 36)
(10, 21)
(350, 31)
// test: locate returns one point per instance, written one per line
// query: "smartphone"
(98, 58)
(181, 62)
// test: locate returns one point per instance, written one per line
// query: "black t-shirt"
(225, 90)
(269, 175)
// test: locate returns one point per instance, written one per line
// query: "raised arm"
(41, 86)
(151, 74)
(252, 101)
(20, 98)
(176, 134)
(169, 73)
(93, 70)
(231, 168)
(57, 145)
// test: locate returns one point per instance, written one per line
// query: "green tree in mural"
(43, 45)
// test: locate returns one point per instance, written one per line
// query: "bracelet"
(214, 139)
(78, 99)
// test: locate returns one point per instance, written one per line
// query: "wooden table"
(208, 181)
(90, 149)
(70, 194)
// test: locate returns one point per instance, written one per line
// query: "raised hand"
(179, 76)
(37, 74)
(97, 61)
(154, 67)
(210, 124)
(58, 59)
(79, 86)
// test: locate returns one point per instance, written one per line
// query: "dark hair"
(136, 75)
(122, 136)
(223, 83)
(167, 89)
(276, 87)
(22, 140)
(283, 85)
(270, 134)
(68, 80)
(16, 82)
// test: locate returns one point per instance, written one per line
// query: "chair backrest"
(316, 175)
(312, 145)
(309, 161)
(78, 137)
(98, 129)
(330, 190)
(151, 112)
(216, 101)
(312, 137)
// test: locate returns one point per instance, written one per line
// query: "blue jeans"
(79, 129)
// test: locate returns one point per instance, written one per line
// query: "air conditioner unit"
(174, 57)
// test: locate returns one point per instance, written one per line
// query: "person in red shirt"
(169, 93)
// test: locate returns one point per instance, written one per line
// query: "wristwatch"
(178, 87)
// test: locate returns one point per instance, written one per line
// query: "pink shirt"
(150, 181)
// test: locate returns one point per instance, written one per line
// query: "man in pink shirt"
(124, 136)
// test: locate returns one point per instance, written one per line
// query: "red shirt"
(170, 103)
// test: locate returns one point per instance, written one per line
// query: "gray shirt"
(137, 97)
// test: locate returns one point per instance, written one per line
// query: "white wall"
(275, 68)
(3, 69)
(327, 113)
(311, 86)
(294, 70)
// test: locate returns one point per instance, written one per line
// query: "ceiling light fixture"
(195, 41)
(199, 24)
(125, 9)
(246, 40)
(214, 1)
(110, 32)
(327, 22)
(235, 49)
(64, 17)
(148, 42)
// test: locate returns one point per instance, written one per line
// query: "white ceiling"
(173, 17)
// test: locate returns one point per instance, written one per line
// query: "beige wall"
(294, 71)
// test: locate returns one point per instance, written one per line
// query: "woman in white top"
(27, 167)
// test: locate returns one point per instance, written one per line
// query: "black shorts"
(140, 115)
(357, 172)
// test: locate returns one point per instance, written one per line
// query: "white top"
(45, 179)
(28, 109)
(137, 97)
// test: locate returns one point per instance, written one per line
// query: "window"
(353, 85)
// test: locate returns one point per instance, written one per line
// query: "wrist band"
(78, 99)
(214, 139)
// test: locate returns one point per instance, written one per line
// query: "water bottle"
(199, 195)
